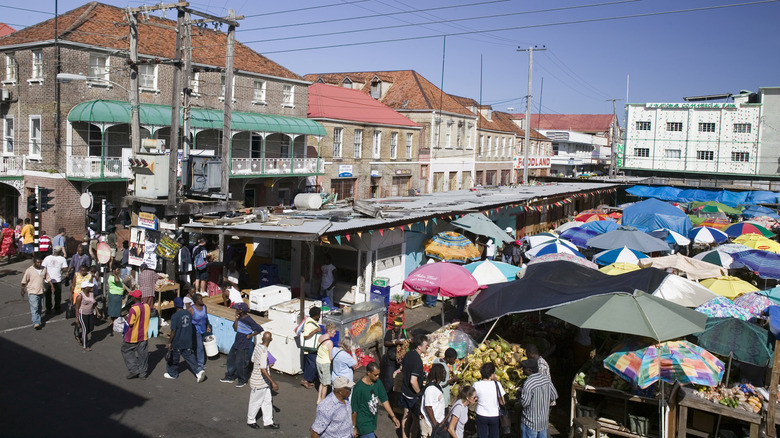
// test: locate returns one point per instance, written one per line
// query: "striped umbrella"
(721, 307)
(758, 242)
(738, 229)
(707, 235)
(680, 361)
(715, 257)
(553, 248)
(590, 217)
(568, 225)
(545, 238)
(579, 236)
(623, 254)
(563, 256)
(672, 237)
(764, 263)
(491, 272)
(714, 222)
(754, 302)
(729, 287)
(450, 246)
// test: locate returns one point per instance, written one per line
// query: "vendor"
(230, 293)
(450, 356)
(393, 339)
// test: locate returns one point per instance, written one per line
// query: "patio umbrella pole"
(491, 329)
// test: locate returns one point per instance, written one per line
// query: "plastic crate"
(381, 294)
(269, 274)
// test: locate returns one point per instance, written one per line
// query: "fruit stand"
(690, 399)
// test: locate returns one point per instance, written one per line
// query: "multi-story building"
(733, 138)
(370, 150)
(74, 137)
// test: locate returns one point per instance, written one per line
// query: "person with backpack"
(309, 342)
(432, 404)
(200, 260)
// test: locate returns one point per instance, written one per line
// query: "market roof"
(334, 102)
(115, 111)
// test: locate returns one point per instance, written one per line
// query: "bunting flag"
(370, 232)
(381, 232)
(433, 219)
(347, 236)
(325, 240)
(426, 223)
(392, 228)
(360, 234)
(338, 239)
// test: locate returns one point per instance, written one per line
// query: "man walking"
(134, 347)
(310, 332)
(182, 343)
(367, 395)
(201, 262)
(262, 384)
(238, 358)
(28, 237)
(334, 412)
(32, 283)
(56, 266)
(60, 240)
(536, 397)
(413, 375)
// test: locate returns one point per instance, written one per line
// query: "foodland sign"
(537, 162)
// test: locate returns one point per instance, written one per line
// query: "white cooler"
(289, 311)
(284, 347)
(262, 299)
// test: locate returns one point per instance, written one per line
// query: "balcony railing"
(277, 166)
(12, 166)
(95, 167)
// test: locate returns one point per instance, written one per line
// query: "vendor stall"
(689, 400)
(363, 322)
(221, 319)
(166, 292)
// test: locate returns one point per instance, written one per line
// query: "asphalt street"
(50, 387)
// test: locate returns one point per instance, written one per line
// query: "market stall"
(728, 405)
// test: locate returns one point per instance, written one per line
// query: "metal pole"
(527, 141)
(175, 111)
(226, 128)
(36, 220)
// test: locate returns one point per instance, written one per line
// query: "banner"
(167, 248)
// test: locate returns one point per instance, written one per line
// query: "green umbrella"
(638, 314)
(744, 341)
(480, 224)
(714, 207)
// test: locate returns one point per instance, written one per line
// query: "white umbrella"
(568, 225)
(677, 237)
(684, 292)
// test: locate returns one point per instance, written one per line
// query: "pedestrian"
(240, 353)
(135, 350)
(116, 291)
(230, 293)
(490, 249)
(328, 282)
(8, 245)
(184, 263)
(490, 398)
(432, 404)
(310, 334)
(367, 395)
(459, 413)
(77, 261)
(537, 396)
(450, 356)
(32, 284)
(262, 384)
(84, 245)
(413, 376)
(334, 413)
(182, 343)
(44, 244)
(81, 276)
(61, 240)
(86, 312)
(200, 260)
(28, 237)
(126, 268)
(93, 244)
(57, 267)
(119, 254)
(200, 319)
(324, 355)
(147, 281)
(343, 361)
(532, 352)
(393, 338)
(18, 235)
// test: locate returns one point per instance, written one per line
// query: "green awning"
(113, 111)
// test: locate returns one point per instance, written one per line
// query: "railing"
(12, 166)
(94, 167)
(276, 166)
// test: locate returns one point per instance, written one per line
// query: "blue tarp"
(600, 227)
(727, 197)
(757, 210)
(653, 214)
(762, 197)
(774, 320)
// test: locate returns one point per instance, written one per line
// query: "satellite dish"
(86, 200)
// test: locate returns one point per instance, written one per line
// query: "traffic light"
(94, 221)
(32, 204)
(45, 198)
(110, 217)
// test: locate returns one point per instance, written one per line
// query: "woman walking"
(200, 319)
(324, 355)
(432, 404)
(116, 292)
(459, 414)
(8, 245)
(490, 397)
(85, 303)
(344, 362)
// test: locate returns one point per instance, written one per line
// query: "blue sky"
(666, 56)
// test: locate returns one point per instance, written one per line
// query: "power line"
(27, 10)
(307, 9)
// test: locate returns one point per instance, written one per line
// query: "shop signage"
(375, 174)
(345, 170)
(692, 105)
(147, 220)
(534, 162)
(167, 248)
(404, 172)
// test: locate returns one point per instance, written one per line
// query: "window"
(409, 138)
(436, 135)
(393, 145)
(449, 136)
(642, 152)
(94, 141)
(10, 68)
(423, 171)
(705, 155)
(481, 145)
(259, 92)
(337, 136)
(503, 147)
(642, 126)
(742, 128)
(376, 89)
(674, 126)
(147, 76)
(35, 137)
(195, 84)
(706, 127)
(377, 144)
(288, 96)
(98, 67)
(284, 147)
(37, 64)
(357, 148)
(8, 135)
(740, 156)
(222, 80)
(673, 153)
(346, 83)
(468, 141)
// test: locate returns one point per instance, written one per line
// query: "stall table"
(689, 400)
(617, 427)
(162, 289)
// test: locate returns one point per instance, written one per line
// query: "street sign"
(103, 253)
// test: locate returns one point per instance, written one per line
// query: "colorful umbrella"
(714, 222)
(445, 279)
(565, 257)
(553, 248)
(715, 257)
(707, 235)
(754, 302)
(744, 341)
(721, 307)
(765, 221)
(615, 215)
(764, 263)
(545, 238)
(729, 287)
(732, 248)
(579, 236)
(450, 246)
(758, 242)
(624, 254)
(601, 227)
(740, 228)
(590, 217)
(670, 237)
(680, 361)
(567, 226)
(619, 268)
(491, 272)
(714, 207)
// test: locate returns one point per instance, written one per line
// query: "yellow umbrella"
(757, 241)
(618, 268)
(729, 287)
(450, 246)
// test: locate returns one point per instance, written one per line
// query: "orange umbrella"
(715, 222)
(590, 217)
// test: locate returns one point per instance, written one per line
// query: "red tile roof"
(6, 29)
(409, 90)
(590, 123)
(106, 26)
(334, 102)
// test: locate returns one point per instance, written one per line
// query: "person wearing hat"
(537, 396)
(393, 338)
(334, 412)
(181, 343)
(57, 267)
(238, 358)
(135, 350)
(262, 384)
(86, 312)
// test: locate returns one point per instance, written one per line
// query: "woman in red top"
(8, 245)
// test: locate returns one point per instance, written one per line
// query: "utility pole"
(175, 110)
(226, 128)
(187, 140)
(135, 106)
(613, 141)
(527, 142)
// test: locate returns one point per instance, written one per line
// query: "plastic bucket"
(210, 346)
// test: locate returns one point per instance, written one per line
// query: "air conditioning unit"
(5, 95)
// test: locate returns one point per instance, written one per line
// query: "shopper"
(200, 259)
(532, 351)
(8, 245)
(490, 395)
(537, 396)
(44, 244)
(61, 240)
(81, 276)
(135, 346)
(450, 356)
(393, 339)
(57, 267)
(262, 384)
(77, 261)
(413, 376)
(147, 281)
(367, 395)
(459, 413)
(310, 333)
(324, 355)
(32, 284)
(432, 403)
(116, 292)
(238, 358)
(344, 362)
(181, 343)
(86, 312)
(28, 237)
(334, 413)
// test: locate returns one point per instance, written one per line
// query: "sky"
(596, 51)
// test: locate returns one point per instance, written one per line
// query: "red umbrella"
(442, 278)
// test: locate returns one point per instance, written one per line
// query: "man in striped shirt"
(536, 397)
(134, 348)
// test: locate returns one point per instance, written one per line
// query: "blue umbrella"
(579, 236)
(507, 270)
(764, 263)
(600, 227)
(552, 248)
(625, 255)
(707, 235)
(670, 237)
(773, 294)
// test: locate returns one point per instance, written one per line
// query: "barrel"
(308, 201)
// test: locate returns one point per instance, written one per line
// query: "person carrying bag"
(503, 415)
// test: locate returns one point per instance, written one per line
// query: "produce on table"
(505, 356)
(743, 396)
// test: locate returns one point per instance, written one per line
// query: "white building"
(576, 152)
